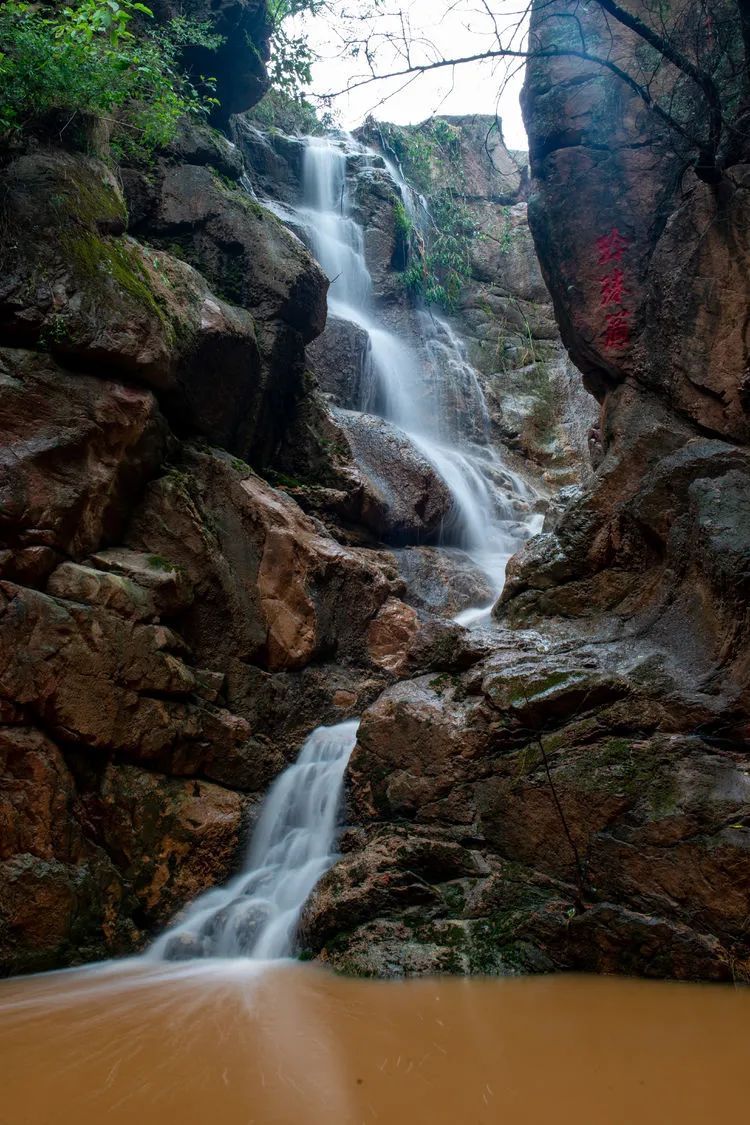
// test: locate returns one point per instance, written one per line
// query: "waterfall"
(256, 914)
(431, 393)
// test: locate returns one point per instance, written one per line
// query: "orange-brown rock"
(77, 450)
(390, 635)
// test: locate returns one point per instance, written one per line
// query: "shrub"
(86, 60)
(289, 113)
(440, 252)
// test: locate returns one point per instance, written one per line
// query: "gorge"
(374, 589)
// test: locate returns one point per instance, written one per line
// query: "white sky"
(450, 28)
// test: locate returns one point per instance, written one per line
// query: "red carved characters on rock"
(613, 288)
(617, 331)
(611, 249)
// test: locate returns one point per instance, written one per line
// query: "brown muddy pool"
(229, 1044)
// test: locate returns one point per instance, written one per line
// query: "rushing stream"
(432, 394)
(255, 915)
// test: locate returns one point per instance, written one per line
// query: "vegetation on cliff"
(101, 59)
(437, 248)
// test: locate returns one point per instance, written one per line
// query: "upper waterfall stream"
(430, 392)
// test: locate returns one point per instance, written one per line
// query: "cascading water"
(435, 398)
(256, 914)
(432, 395)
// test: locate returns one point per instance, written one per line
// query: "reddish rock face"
(648, 267)
(167, 618)
(646, 263)
(77, 450)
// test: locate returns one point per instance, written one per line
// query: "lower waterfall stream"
(255, 915)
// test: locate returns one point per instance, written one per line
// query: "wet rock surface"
(404, 499)
(557, 806)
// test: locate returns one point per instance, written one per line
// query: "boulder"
(174, 839)
(60, 894)
(273, 159)
(78, 450)
(339, 361)
(110, 683)
(238, 63)
(551, 808)
(97, 298)
(404, 498)
(443, 580)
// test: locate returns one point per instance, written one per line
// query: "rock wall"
(649, 271)
(172, 625)
(192, 572)
(539, 413)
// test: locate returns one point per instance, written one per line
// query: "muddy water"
(230, 1044)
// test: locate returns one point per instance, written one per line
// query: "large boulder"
(272, 588)
(444, 580)
(78, 450)
(404, 499)
(656, 541)
(93, 296)
(238, 63)
(339, 360)
(552, 808)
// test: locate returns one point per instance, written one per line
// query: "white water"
(256, 914)
(433, 394)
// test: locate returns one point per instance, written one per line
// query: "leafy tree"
(100, 58)
(291, 57)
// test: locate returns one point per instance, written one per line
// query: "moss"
(540, 423)
(283, 480)
(440, 683)
(157, 562)
(638, 770)
(87, 200)
(497, 943)
(93, 256)
(523, 689)
(454, 897)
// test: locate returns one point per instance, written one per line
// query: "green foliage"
(157, 562)
(291, 57)
(404, 225)
(506, 236)
(289, 114)
(442, 263)
(100, 59)
(413, 151)
(441, 252)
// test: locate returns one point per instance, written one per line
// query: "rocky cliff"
(168, 618)
(173, 624)
(210, 546)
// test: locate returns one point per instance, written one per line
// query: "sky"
(447, 28)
